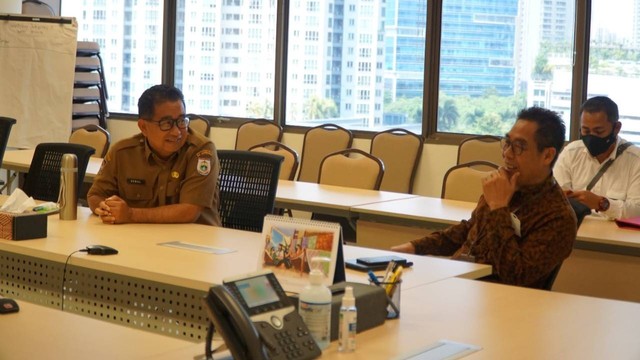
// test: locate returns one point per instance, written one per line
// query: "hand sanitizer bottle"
(315, 306)
(348, 322)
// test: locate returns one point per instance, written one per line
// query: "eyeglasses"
(167, 123)
(518, 147)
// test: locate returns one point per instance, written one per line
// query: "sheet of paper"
(442, 350)
(196, 247)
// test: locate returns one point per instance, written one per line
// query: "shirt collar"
(525, 193)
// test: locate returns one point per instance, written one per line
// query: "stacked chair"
(90, 88)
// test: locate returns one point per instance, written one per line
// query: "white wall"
(436, 159)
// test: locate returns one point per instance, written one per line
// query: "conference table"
(500, 321)
(152, 286)
(605, 261)
(40, 332)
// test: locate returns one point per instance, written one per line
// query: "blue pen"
(374, 278)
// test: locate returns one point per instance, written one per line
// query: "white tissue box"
(22, 226)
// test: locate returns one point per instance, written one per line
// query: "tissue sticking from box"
(18, 203)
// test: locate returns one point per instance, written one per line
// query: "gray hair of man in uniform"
(154, 95)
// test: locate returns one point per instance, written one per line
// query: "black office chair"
(43, 180)
(248, 182)
(5, 130)
(581, 211)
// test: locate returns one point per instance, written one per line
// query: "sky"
(613, 15)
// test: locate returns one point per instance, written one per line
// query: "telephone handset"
(258, 321)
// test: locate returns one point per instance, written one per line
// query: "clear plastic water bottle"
(315, 306)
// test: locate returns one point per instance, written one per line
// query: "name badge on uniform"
(135, 181)
(515, 224)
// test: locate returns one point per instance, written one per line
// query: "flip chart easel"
(37, 67)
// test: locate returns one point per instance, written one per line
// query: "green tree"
(447, 115)
(411, 107)
(320, 108)
(260, 109)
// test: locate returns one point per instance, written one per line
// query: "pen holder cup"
(392, 290)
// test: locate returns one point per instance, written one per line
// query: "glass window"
(130, 66)
(236, 65)
(382, 47)
(614, 60)
(497, 57)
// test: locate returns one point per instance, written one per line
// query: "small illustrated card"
(291, 243)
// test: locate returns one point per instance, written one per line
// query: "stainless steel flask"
(68, 198)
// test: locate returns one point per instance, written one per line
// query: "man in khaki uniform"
(165, 174)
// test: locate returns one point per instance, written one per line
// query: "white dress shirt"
(620, 183)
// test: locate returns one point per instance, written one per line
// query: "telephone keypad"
(293, 341)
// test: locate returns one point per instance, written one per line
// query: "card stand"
(392, 290)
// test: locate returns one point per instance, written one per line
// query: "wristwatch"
(603, 205)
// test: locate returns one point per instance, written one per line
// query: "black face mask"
(597, 145)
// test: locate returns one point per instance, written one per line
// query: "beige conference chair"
(94, 136)
(289, 164)
(464, 181)
(480, 148)
(352, 168)
(256, 132)
(400, 150)
(349, 168)
(36, 7)
(199, 124)
(319, 142)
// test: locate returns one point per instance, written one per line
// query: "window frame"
(431, 74)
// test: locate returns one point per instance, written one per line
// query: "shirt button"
(138, 195)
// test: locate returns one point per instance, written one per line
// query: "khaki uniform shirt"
(523, 242)
(133, 172)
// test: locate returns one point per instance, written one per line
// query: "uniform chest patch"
(135, 181)
(204, 166)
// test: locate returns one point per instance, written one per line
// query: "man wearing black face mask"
(601, 170)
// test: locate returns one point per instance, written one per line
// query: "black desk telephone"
(257, 320)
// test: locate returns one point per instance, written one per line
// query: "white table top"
(419, 209)
(599, 231)
(507, 322)
(332, 200)
(39, 332)
(426, 211)
(141, 257)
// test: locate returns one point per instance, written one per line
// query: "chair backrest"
(480, 148)
(463, 182)
(319, 142)
(94, 136)
(199, 124)
(400, 151)
(5, 130)
(290, 156)
(256, 132)
(248, 182)
(36, 7)
(351, 168)
(43, 180)
(581, 211)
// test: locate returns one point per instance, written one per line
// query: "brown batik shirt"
(547, 233)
